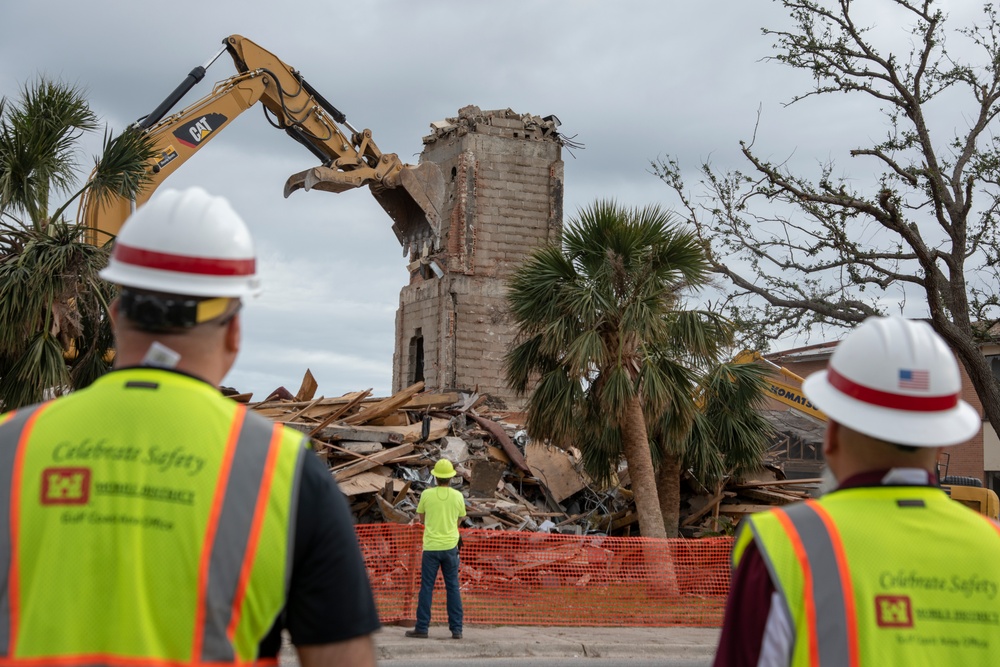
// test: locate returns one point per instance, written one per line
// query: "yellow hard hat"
(443, 469)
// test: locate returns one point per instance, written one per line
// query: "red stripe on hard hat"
(887, 399)
(208, 266)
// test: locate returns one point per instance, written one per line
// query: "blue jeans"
(447, 561)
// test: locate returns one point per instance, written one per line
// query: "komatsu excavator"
(411, 195)
(788, 390)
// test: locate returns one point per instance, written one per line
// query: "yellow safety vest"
(888, 575)
(442, 506)
(145, 520)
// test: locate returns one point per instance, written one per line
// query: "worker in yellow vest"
(886, 569)
(148, 520)
(442, 509)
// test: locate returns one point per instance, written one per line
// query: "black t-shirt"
(330, 599)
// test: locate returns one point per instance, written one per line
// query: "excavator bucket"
(415, 204)
(412, 197)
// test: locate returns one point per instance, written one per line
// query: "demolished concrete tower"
(503, 192)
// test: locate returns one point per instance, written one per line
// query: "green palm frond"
(601, 306)
(51, 297)
(669, 391)
(735, 396)
(96, 339)
(599, 441)
(553, 407)
(40, 368)
(601, 319)
(39, 137)
(615, 391)
(522, 362)
(120, 171)
(585, 353)
(706, 461)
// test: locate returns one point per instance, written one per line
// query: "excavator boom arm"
(301, 111)
(409, 194)
(176, 139)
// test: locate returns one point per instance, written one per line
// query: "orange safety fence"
(524, 578)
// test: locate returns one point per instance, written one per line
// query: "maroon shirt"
(750, 591)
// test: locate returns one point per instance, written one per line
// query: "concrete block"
(454, 449)
(512, 123)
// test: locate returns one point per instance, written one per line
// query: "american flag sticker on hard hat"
(914, 379)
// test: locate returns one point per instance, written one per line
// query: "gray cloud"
(633, 81)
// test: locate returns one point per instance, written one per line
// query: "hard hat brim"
(172, 282)
(940, 428)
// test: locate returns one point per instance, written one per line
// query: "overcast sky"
(631, 80)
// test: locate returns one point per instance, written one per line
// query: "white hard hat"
(896, 380)
(185, 242)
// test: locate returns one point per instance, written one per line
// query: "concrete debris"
(497, 121)
(454, 449)
(381, 451)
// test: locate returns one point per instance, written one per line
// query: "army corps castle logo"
(893, 611)
(65, 486)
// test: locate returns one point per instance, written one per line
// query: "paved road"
(572, 645)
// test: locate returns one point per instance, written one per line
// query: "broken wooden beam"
(367, 482)
(743, 508)
(710, 506)
(385, 406)
(389, 513)
(308, 387)
(430, 400)
(334, 433)
(372, 461)
(437, 429)
(779, 482)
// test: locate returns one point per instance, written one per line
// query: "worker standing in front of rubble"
(149, 520)
(886, 569)
(442, 509)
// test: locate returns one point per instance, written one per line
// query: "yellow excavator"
(411, 195)
(786, 387)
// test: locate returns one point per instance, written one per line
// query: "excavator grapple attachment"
(323, 178)
(412, 196)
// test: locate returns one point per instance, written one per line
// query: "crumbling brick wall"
(503, 193)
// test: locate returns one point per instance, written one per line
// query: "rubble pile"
(381, 451)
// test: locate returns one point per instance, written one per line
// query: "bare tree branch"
(804, 253)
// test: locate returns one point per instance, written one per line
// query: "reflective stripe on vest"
(236, 529)
(829, 598)
(17, 427)
(233, 530)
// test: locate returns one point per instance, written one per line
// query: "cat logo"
(893, 611)
(65, 486)
(192, 133)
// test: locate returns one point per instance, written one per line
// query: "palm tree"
(726, 439)
(597, 319)
(55, 335)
